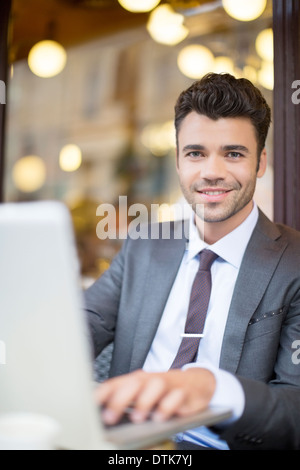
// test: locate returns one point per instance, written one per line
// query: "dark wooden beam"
(286, 26)
(5, 9)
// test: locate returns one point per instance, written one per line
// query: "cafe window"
(101, 128)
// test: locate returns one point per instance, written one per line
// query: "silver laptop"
(43, 333)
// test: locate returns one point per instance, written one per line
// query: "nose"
(213, 168)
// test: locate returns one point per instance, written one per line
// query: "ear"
(262, 164)
(177, 160)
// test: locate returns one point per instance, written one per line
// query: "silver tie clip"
(191, 335)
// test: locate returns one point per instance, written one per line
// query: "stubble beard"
(215, 211)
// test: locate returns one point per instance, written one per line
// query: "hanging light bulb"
(139, 6)
(195, 60)
(166, 26)
(250, 73)
(244, 10)
(266, 75)
(29, 173)
(159, 138)
(264, 44)
(70, 158)
(224, 64)
(47, 59)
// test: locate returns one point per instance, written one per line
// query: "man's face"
(217, 166)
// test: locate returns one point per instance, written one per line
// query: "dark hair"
(222, 95)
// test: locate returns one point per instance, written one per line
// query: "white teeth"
(214, 193)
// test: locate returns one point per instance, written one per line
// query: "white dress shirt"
(224, 272)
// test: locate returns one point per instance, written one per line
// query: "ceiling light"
(70, 158)
(139, 6)
(250, 73)
(29, 173)
(223, 64)
(159, 138)
(194, 61)
(244, 10)
(47, 59)
(264, 44)
(266, 75)
(166, 26)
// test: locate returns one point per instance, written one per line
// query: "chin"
(211, 213)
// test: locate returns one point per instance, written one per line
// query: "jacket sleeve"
(271, 415)
(101, 302)
(270, 420)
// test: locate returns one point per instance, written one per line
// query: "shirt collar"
(230, 248)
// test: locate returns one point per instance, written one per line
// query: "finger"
(104, 390)
(153, 390)
(169, 405)
(120, 399)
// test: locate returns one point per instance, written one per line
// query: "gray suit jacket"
(125, 306)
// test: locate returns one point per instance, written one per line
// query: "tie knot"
(207, 258)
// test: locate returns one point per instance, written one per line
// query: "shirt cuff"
(229, 392)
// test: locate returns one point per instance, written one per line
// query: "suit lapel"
(262, 255)
(166, 257)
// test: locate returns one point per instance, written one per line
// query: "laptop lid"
(47, 362)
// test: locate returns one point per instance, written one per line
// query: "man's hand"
(162, 394)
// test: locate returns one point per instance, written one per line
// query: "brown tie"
(199, 300)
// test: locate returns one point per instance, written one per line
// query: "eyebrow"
(225, 148)
(242, 148)
(193, 147)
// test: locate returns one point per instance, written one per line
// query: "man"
(246, 356)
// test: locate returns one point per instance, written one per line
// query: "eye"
(194, 154)
(234, 155)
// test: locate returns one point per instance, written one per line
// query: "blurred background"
(99, 124)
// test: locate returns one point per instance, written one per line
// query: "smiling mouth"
(214, 193)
